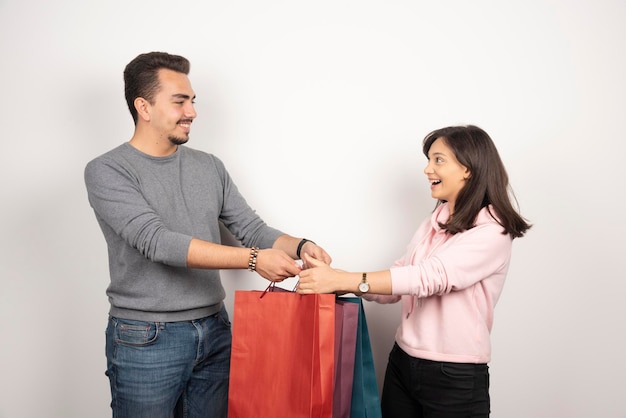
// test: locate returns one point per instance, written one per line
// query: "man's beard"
(176, 140)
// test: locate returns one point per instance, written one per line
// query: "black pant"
(419, 388)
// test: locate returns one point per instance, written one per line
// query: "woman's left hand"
(319, 277)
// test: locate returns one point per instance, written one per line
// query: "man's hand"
(275, 265)
(314, 251)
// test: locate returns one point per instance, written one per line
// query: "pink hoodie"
(449, 286)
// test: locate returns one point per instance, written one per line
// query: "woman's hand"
(321, 278)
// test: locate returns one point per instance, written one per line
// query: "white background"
(318, 110)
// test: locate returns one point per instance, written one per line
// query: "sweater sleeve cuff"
(174, 250)
(400, 280)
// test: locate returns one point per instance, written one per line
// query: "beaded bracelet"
(254, 251)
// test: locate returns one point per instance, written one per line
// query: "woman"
(449, 281)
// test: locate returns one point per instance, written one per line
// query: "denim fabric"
(159, 369)
(417, 388)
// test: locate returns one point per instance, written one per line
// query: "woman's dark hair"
(141, 76)
(488, 183)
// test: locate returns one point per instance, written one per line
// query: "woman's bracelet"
(300, 245)
(254, 251)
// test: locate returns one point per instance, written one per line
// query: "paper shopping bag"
(346, 325)
(365, 397)
(282, 360)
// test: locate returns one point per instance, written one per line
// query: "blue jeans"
(169, 368)
(419, 388)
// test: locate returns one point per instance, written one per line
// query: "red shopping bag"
(282, 360)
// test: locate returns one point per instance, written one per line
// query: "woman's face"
(445, 174)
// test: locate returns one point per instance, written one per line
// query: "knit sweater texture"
(149, 209)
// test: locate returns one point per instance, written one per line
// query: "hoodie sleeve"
(461, 261)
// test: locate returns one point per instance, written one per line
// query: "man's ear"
(143, 108)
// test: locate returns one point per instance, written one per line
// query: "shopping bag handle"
(273, 288)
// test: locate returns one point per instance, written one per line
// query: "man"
(159, 205)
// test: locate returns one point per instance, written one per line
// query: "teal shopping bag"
(365, 398)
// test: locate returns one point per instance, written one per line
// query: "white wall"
(318, 110)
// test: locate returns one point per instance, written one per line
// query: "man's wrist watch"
(364, 286)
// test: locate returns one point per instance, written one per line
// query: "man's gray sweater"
(149, 209)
